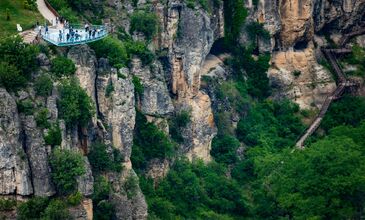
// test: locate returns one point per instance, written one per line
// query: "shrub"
(26, 107)
(74, 199)
(109, 89)
(7, 204)
(140, 49)
(43, 85)
(177, 123)
(149, 142)
(30, 4)
(190, 4)
(204, 4)
(131, 186)
(111, 48)
(138, 87)
(62, 66)
(75, 106)
(274, 125)
(101, 190)
(255, 29)
(101, 160)
(53, 136)
(104, 210)
(192, 188)
(144, 22)
(10, 77)
(56, 210)
(41, 118)
(66, 166)
(32, 209)
(224, 149)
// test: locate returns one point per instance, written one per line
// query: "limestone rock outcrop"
(338, 16)
(37, 154)
(117, 108)
(15, 172)
(298, 76)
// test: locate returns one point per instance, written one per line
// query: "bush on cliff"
(144, 22)
(111, 48)
(75, 106)
(149, 142)
(66, 165)
(62, 66)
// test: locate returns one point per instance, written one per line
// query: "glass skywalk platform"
(73, 35)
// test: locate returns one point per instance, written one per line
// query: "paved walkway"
(45, 12)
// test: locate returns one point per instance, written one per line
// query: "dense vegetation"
(101, 160)
(195, 190)
(61, 66)
(145, 23)
(75, 106)
(255, 173)
(17, 61)
(66, 166)
(147, 134)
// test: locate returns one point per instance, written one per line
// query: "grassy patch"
(18, 15)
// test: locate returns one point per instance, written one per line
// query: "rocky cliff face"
(15, 173)
(293, 25)
(171, 84)
(338, 16)
(188, 35)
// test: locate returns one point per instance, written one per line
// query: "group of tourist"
(68, 33)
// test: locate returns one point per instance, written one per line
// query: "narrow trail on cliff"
(342, 83)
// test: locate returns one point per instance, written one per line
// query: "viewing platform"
(73, 34)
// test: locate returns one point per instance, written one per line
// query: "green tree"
(324, 181)
(346, 111)
(102, 161)
(234, 16)
(66, 166)
(144, 22)
(56, 210)
(140, 49)
(111, 48)
(193, 189)
(75, 106)
(43, 85)
(53, 136)
(41, 118)
(224, 149)
(10, 77)
(149, 143)
(62, 66)
(272, 124)
(177, 123)
(19, 54)
(32, 209)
